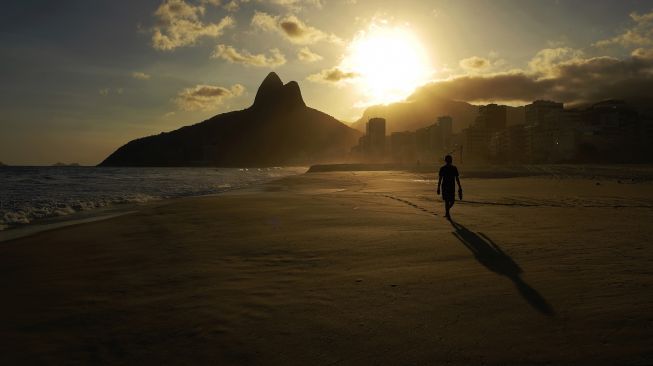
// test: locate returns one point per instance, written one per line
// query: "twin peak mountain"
(278, 129)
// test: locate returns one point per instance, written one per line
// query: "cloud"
(332, 75)
(306, 55)
(546, 60)
(232, 55)
(141, 75)
(480, 65)
(179, 25)
(264, 21)
(499, 87)
(475, 63)
(205, 97)
(171, 10)
(232, 6)
(643, 53)
(294, 5)
(558, 75)
(291, 28)
(639, 34)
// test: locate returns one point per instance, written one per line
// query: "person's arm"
(460, 188)
(439, 181)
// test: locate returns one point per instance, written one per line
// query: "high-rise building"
(446, 131)
(424, 140)
(476, 141)
(614, 128)
(492, 117)
(403, 146)
(538, 112)
(375, 141)
(477, 137)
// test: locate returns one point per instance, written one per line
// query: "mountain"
(422, 110)
(414, 114)
(278, 129)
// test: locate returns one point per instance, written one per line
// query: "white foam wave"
(29, 194)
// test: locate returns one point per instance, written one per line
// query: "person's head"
(448, 159)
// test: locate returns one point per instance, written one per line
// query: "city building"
(537, 112)
(446, 131)
(434, 141)
(403, 145)
(425, 140)
(372, 146)
(492, 117)
(609, 131)
(375, 138)
(476, 143)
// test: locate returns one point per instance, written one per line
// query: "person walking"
(448, 177)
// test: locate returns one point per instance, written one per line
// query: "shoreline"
(94, 215)
(57, 219)
(634, 172)
(606, 172)
(28, 230)
(115, 210)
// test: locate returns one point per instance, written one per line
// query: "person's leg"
(451, 202)
(446, 207)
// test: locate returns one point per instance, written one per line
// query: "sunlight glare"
(390, 63)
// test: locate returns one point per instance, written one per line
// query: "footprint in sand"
(411, 204)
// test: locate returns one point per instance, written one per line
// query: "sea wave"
(29, 194)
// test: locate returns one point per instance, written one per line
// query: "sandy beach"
(344, 268)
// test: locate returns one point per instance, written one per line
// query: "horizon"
(82, 80)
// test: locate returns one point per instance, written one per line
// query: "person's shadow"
(488, 253)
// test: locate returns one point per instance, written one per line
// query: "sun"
(389, 63)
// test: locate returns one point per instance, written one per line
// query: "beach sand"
(344, 268)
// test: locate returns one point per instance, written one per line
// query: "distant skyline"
(81, 78)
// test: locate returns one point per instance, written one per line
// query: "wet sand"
(346, 268)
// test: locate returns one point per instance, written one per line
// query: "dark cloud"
(292, 28)
(232, 55)
(474, 63)
(572, 81)
(333, 75)
(205, 96)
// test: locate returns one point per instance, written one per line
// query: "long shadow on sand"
(489, 254)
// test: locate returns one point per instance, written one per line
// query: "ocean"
(32, 194)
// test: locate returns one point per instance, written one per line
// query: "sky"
(80, 78)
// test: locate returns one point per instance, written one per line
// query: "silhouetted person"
(447, 181)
